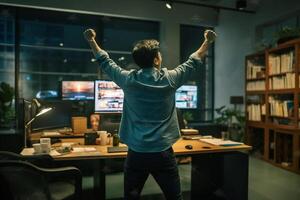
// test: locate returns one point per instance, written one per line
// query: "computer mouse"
(188, 146)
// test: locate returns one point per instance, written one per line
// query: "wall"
(233, 43)
(236, 40)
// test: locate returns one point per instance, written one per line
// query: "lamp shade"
(236, 99)
(43, 111)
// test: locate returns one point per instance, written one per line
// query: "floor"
(266, 182)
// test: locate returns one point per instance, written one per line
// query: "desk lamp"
(40, 111)
(236, 100)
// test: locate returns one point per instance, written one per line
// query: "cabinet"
(272, 104)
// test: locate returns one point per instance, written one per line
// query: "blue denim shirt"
(149, 120)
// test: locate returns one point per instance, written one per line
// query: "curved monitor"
(109, 97)
(186, 97)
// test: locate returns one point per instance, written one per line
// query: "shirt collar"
(150, 69)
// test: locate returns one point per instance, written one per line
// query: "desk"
(213, 167)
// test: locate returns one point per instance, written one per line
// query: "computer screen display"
(109, 97)
(59, 116)
(186, 97)
(77, 90)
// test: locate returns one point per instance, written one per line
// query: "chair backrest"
(44, 160)
(22, 180)
(34, 177)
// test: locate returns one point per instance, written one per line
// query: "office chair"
(42, 160)
(20, 179)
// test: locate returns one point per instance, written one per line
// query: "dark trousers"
(161, 165)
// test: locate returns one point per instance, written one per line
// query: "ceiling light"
(169, 5)
(121, 58)
(241, 4)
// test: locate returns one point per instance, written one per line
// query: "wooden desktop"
(214, 168)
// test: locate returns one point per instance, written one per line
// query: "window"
(51, 48)
(7, 69)
(190, 39)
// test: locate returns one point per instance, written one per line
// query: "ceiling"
(252, 5)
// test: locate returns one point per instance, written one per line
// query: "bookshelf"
(272, 104)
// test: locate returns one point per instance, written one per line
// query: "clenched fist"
(89, 34)
(210, 36)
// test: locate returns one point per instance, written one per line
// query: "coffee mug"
(104, 140)
(45, 145)
(37, 148)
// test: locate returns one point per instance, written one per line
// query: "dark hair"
(144, 52)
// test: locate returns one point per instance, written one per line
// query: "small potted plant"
(7, 113)
(233, 120)
(187, 116)
(287, 33)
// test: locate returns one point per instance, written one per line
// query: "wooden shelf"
(279, 144)
(287, 45)
(291, 118)
(282, 91)
(280, 74)
(282, 126)
(256, 92)
(256, 79)
(258, 124)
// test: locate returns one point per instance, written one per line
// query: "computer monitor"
(77, 90)
(58, 117)
(109, 97)
(186, 97)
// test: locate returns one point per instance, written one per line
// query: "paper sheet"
(83, 149)
(220, 142)
(30, 151)
(51, 133)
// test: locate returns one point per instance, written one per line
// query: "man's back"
(149, 121)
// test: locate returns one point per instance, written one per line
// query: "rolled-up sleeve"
(114, 71)
(182, 73)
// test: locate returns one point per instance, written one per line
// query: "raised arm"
(210, 37)
(90, 36)
(115, 72)
(183, 72)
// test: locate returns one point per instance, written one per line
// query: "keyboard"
(117, 149)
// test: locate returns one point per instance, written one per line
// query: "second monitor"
(109, 97)
(186, 97)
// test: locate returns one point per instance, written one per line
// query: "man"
(149, 123)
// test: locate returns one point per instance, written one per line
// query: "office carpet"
(266, 182)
